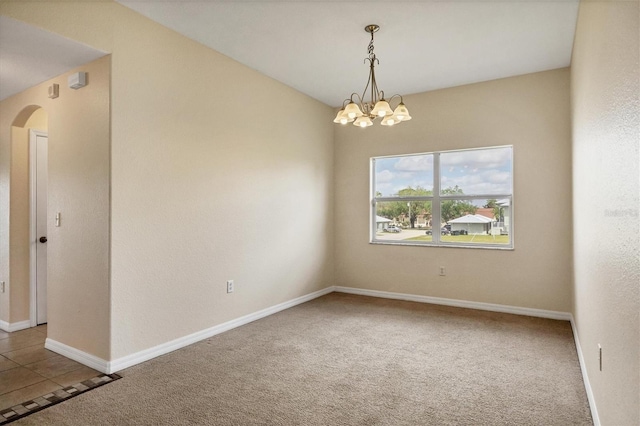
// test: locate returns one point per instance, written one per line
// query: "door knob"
(43, 239)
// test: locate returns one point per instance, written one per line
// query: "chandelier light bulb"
(352, 110)
(402, 113)
(382, 108)
(389, 120)
(363, 121)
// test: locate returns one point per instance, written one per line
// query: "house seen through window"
(449, 198)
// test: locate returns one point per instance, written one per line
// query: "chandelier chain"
(370, 49)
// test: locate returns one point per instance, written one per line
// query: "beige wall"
(606, 134)
(531, 112)
(78, 263)
(201, 194)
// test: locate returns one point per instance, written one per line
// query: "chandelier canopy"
(362, 113)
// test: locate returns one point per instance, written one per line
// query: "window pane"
(474, 198)
(476, 221)
(401, 220)
(410, 175)
(473, 172)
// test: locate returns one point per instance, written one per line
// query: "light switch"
(54, 91)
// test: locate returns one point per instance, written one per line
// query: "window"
(449, 198)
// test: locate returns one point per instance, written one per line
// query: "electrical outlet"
(230, 286)
(443, 271)
(1, 286)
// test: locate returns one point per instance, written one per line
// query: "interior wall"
(201, 194)
(77, 252)
(20, 215)
(530, 112)
(606, 133)
(212, 181)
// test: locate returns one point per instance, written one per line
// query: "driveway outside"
(405, 234)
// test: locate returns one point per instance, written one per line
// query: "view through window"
(448, 198)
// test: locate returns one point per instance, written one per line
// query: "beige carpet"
(352, 360)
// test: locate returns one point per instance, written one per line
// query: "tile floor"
(28, 370)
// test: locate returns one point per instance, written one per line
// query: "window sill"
(400, 243)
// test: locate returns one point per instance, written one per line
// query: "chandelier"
(362, 113)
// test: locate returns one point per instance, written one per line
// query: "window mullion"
(435, 205)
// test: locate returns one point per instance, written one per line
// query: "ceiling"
(318, 47)
(29, 56)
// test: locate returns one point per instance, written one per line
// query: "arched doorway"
(29, 177)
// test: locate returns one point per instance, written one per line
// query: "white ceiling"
(318, 47)
(29, 56)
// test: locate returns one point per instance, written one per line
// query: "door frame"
(33, 211)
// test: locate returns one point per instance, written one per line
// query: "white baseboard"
(78, 355)
(147, 354)
(516, 310)
(14, 326)
(585, 376)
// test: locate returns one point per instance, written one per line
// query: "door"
(39, 176)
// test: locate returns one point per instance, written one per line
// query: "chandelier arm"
(364, 92)
(394, 96)
(365, 106)
(374, 85)
(357, 97)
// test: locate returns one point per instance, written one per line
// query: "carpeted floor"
(352, 360)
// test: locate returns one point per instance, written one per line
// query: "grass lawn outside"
(481, 239)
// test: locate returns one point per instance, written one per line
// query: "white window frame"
(436, 199)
